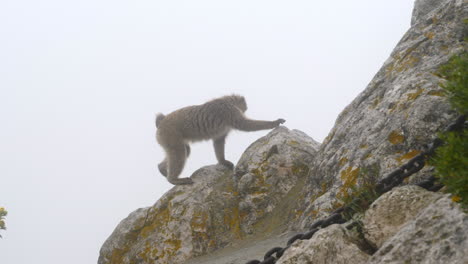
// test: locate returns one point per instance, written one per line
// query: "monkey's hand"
(228, 164)
(279, 122)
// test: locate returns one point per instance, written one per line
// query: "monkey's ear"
(159, 118)
(244, 103)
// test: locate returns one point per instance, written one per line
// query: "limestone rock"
(333, 244)
(220, 207)
(391, 211)
(270, 174)
(422, 8)
(287, 180)
(400, 111)
(180, 225)
(438, 235)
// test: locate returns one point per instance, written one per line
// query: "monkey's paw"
(280, 121)
(227, 164)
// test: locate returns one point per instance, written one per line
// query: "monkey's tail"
(159, 118)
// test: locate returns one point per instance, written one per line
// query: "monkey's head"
(238, 101)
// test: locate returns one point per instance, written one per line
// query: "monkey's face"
(242, 104)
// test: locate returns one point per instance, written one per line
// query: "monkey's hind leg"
(163, 165)
(176, 157)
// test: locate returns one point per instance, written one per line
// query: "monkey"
(211, 120)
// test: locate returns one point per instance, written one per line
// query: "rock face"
(439, 234)
(287, 181)
(422, 8)
(422, 227)
(330, 245)
(219, 207)
(392, 210)
(399, 112)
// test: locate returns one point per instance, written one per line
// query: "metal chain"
(390, 181)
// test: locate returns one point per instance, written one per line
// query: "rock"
(391, 211)
(400, 111)
(220, 207)
(271, 173)
(439, 234)
(286, 180)
(333, 244)
(181, 224)
(424, 7)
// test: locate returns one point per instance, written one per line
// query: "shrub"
(3, 213)
(451, 159)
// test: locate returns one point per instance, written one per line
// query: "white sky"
(81, 81)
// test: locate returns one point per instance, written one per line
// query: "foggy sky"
(81, 82)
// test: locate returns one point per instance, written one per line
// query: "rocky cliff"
(286, 181)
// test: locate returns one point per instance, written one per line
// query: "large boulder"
(286, 180)
(400, 111)
(391, 211)
(220, 207)
(334, 244)
(439, 234)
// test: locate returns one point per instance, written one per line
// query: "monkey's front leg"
(218, 144)
(248, 125)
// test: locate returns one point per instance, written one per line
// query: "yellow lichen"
(342, 161)
(413, 96)
(409, 155)
(199, 221)
(329, 137)
(396, 138)
(349, 179)
(409, 62)
(293, 142)
(429, 35)
(436, 93)
(456, 198)
(375, 103)
(232, 220)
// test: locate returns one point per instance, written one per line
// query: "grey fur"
(211, 120)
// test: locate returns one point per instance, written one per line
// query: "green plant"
(3, 213)
(451, 159)
(362, 195)
(455, 72)
(451, 163)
